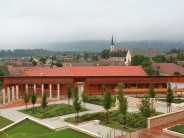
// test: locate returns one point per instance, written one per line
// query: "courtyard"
(103, 129)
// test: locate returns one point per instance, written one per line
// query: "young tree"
(84, 97)
(33, 99)
(44, 103)
(69, 93)
(145, 107)
(26, 99)
(169, 97)
(152, 94)
(107, 101)
(76, 102)
(123, 103)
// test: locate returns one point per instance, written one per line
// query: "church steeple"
(112, 45)
(112, 41)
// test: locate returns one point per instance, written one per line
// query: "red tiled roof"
(89, 71)
(168, 68)
(17, 71)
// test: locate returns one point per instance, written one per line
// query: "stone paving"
(101, 130)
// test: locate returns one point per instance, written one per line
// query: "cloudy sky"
(37, 21)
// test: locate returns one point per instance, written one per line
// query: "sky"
(42, 21)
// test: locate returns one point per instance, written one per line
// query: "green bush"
(135, 120)
(51, 110)
(98, 100)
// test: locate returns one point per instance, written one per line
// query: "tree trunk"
(33, 108)
(44, 112)
(26, 106)
(107, 116)
(124, 119)
(77, 117)
(152, 103)
(146, 120)
(68, 101)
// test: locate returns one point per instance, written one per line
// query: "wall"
(165, 118)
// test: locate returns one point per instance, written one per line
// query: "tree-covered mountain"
(96, 45)
(99, 45)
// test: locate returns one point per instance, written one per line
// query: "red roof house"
(168, 68)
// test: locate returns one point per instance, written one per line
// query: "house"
(150, 53)
(168, 69)
(18, 71)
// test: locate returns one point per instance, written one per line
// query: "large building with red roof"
(85, 71)
(54, 81)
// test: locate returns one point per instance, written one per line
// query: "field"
(29, 129)
(4, 122)
(51, 111)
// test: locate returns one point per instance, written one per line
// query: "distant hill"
(102, 44)
(98, 45)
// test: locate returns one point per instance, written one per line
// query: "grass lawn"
(4, 122)
(51, 111)
(134, 121)
(178, 128)
(30, 129)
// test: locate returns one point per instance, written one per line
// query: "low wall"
(165, 118)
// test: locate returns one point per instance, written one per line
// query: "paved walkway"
(58, 122)
(101, 130)
(14, 115)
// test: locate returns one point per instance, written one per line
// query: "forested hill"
(33, 52)
(97, 46)
(23, 53)
(102, 44)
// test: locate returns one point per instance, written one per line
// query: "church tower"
(112, 45)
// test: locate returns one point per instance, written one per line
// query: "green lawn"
(178, 128)
(30, 129)
(4, 122)
(51, 111)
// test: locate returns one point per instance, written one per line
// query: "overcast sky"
(37, 21)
